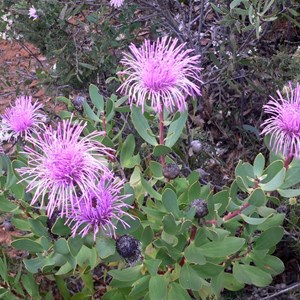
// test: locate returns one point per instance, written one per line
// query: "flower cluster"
(162, 72)
(116, 3)
(284, 122)
(21, 118)
(100, 208)
(33, 13)
(68, 172)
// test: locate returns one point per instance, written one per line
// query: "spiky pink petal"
(283, 125)
(23, 116)
(162, 72)
(64, 164)
(100, 209)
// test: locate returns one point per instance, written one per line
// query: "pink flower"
(101, 209)
(162, 72)
(23, 116)
(64, 164)
(283, 125)
(32, 13)
(116, 3)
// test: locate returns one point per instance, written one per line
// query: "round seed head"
(200, 208)
(129, 248)
(196, 146)
(171, 171)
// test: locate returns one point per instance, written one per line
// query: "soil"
(18, 74)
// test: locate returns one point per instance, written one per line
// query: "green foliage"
(182, 256)
(85, 39)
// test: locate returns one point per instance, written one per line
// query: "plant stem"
(288, 160)
(161, 134)
(235, 213)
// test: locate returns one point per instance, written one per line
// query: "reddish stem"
(235, 213)
(192, 237)
(161, 135)
(287, 161)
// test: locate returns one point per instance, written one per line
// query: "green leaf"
(169, 200)
(31, 287)
(269, 238)
(96, 98)
(228, 246)
(270, 264)
(258, 165)
(148, 188)
(194, 255)
(87, 66)
(175, 129)
(140, 286)
(62, 286)
(169, 224)
(222, 198)
(128, 274)
(257, 198)
(28, 245)
(231, 284)
(275, 182)
(152, 265)
(75, 244)
(126, 154)
(3, 269)
(190, 279)
(6, 205)
(105, 247)
(177, 292)
(160, 150)
(38, 228)
(158, 287)
(109, 110)
(253, 221)
(251, 275)
(90, 113)
(61, 246)
(273, 221)
(235, 3)
(156, 169)
(142, 126)
(289, 193)
(64, 269)
(194, 191)
(60, 228)
(147, 236)
(39, 263)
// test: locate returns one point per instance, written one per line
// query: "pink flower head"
(64, 164)
(116, 3)
(101, 209)
(23, 116)
(32, 13)
(162, 72)
(284, 122)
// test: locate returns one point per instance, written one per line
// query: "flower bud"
(201, 209)
(196, 146)
(8, 226)
(129, 248)
(171, 171)
(78, 101)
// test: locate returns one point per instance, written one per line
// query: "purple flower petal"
(284, 122)
(101, 208)
(162, 72)
(64, 164)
